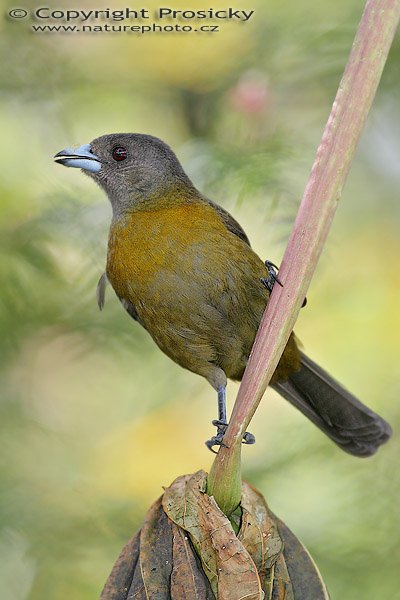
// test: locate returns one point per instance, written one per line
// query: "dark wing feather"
(129, 307)
(230, 223)
(101, 296)
(233, 226)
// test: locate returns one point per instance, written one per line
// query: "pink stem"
(332, 163)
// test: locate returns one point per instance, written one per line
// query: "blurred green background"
(92, 412)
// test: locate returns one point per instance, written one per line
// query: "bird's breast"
(195, 285)
(145, 244)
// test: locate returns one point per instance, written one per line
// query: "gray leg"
(222, 404)
(221, 424)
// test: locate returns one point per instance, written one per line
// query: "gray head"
(132, 168)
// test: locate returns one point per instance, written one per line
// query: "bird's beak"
(81, 158)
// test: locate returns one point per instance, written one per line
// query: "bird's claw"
(217, 440)
(248, 438)
(272, 278)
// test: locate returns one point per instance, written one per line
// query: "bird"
(184, 269)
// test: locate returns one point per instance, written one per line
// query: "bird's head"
(132, 168)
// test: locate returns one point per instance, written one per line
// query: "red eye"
(119, 153)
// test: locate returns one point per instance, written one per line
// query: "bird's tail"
(349, 423)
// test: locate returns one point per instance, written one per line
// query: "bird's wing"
(129, 307)
(101, 291)
(101, 297)
(230, 223)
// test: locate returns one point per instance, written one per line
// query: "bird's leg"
(269, 281)
(221, 424)
(221, 406)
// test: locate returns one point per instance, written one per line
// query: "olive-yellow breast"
(196, 287)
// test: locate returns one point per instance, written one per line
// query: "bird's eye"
(119, 153)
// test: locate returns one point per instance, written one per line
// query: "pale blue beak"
(81, 158)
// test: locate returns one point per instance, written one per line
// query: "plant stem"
(331, 166)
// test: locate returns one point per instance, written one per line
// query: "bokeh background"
(94, 419)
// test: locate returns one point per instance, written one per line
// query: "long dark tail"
(349, 423)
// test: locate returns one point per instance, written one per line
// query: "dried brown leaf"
(120, 578)
(227, 564)
(137, 590)
(281, 584)
(259, 532)
(188, 550)
(156, 553)
(304, 575)
(188, 581)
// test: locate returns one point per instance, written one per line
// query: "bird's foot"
(272, 278)
(218, 440)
